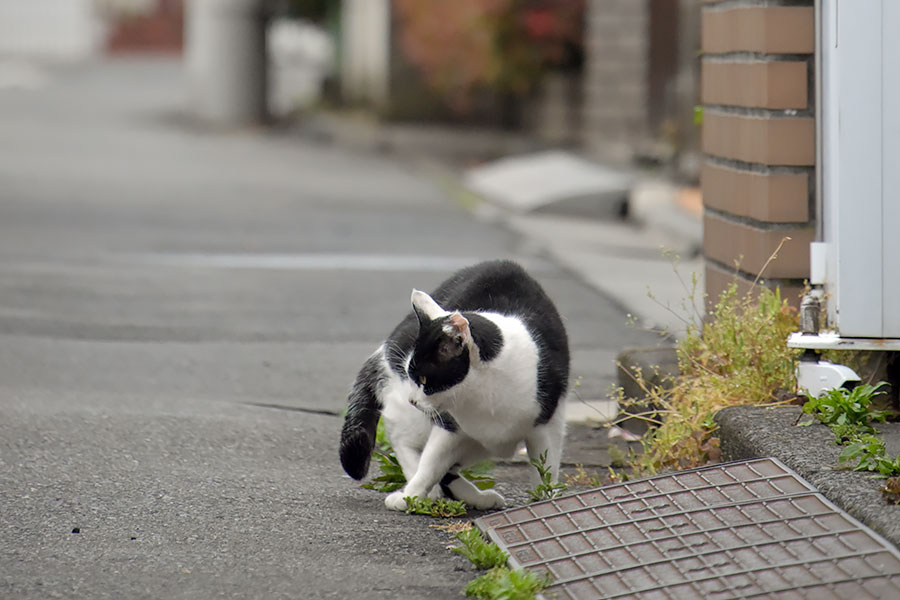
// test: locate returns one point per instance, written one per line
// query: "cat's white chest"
(497, 403)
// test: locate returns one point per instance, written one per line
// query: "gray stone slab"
(552, 181)
(753, 431)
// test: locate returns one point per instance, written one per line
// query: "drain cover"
(736, 530)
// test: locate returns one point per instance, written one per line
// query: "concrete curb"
(755, 431)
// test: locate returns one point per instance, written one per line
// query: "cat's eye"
(422, 379)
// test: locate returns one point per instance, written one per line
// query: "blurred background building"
(616, 78)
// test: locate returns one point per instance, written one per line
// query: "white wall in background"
(53, 29)
(366, 50)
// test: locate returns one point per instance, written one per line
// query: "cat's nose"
(414, 402)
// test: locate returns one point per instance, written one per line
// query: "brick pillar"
(759, 139)
(615, 77)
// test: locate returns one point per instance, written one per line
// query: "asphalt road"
(181, 314)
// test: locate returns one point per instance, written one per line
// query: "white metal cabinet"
(860, 140)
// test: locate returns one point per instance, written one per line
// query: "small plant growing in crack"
(848, 413)
(391, 478)
(546, 489)
(435, 507)
(870, 453)
(483, 554)
(502, 583)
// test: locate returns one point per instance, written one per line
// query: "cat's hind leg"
(547, 441)
(458, 487)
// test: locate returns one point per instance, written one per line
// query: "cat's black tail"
(361, 422)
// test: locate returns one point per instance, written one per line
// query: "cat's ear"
(458, 335)
(457, 325)
(426, 307)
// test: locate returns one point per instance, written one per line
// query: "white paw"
(486, 500)
(395, 501)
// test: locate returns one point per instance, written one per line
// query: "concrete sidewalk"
(633, 263)
(646, 263)
(182, 311)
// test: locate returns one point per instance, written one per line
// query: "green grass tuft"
(391, 478)
(483, 554)
(736, 357)
(546, 489)
(848, 413)
(440, 508)
(479, 474)
(502, 583)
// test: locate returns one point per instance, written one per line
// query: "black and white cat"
(478, 367)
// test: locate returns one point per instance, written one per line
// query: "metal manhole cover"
(737, 530)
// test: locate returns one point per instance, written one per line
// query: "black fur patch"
(486, 334)
(439, 359)
(361, 422)
(445, 421)
(446, 480)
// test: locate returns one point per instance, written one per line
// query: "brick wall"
(615, 77)
(161, 30)
(759, 140)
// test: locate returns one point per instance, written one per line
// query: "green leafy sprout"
(502, 583)
(870, 453)
(434, 507)
(848, 413)
(483, 554)
(546, 489)
(480, 474)
(391, 478)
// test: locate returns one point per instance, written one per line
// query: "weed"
(870, 452)
(479, 474)
(617, 456)
(391, 478)
(617, 476)
(583, 478)
(483, 554)
(546, 489)
(847, 412)
(891, 490)
(502, 583)
(738, 357)
(453, 527)
(381, 439)
(438, 508)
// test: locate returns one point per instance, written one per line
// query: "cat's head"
(440, 358)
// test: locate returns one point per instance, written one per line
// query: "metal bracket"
(815, 378)
(831, 340)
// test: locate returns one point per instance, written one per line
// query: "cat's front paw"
(396, 501)
(486, 500)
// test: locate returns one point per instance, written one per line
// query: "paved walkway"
(181, 314)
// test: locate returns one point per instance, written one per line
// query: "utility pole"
(226, 62)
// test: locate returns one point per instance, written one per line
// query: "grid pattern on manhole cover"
(737, 530)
